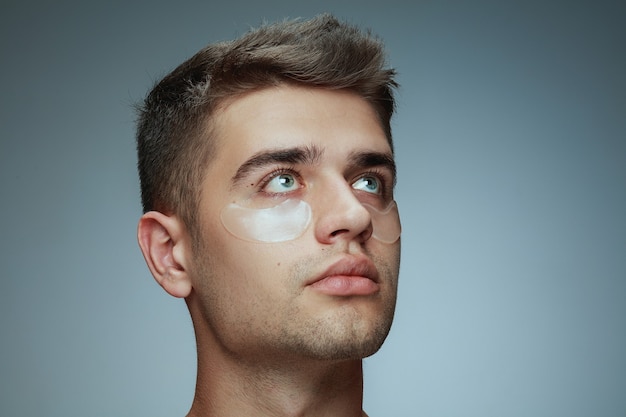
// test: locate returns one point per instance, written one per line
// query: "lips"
(348, 277)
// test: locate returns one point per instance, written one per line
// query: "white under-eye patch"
(285, 221)
(289, 220)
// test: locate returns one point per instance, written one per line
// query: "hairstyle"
(174, 134)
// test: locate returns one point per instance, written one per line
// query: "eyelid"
(275, 173)
(384, 181)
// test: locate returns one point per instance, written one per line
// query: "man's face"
(330, 291)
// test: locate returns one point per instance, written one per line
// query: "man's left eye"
(368, 184)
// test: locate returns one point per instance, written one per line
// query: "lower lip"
(344, 285)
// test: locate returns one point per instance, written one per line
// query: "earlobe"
(162, 242)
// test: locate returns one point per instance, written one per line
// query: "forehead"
(336, 121)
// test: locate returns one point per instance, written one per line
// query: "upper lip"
(359, 266)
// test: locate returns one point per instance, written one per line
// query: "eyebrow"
(297, 155)
(372, 159)
(310, 155)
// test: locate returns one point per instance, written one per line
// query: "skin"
(273, 338)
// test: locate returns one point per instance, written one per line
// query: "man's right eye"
(282, 183)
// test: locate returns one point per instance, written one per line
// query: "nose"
(339, 215)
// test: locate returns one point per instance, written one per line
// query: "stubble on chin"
(349, 329)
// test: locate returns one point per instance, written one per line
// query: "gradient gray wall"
(511, 143)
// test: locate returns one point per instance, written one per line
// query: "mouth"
(349, 276)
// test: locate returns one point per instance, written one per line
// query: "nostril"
(338, 232)
(367, 233)
(364, 235)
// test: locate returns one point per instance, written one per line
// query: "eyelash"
(275, 173)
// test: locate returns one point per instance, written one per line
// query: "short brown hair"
(174, 132)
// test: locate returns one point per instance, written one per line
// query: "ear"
(162, 240)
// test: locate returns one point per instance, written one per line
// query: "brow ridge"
(309, 155)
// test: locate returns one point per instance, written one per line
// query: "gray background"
(511, 141)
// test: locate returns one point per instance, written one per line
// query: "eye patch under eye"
(385, 223)
(285, 221)
(290, 219)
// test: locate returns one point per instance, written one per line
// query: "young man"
(267, 177)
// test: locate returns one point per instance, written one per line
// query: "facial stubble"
(288, 325)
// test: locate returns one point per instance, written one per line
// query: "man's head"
(175, 137)
(267, 175)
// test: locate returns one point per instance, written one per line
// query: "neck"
(279, 386)
(240, 379)
(313, 389)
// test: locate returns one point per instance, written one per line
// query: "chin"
(351, 350)
(344, 341)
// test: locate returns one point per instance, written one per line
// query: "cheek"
(245, 269)
(387, 259)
